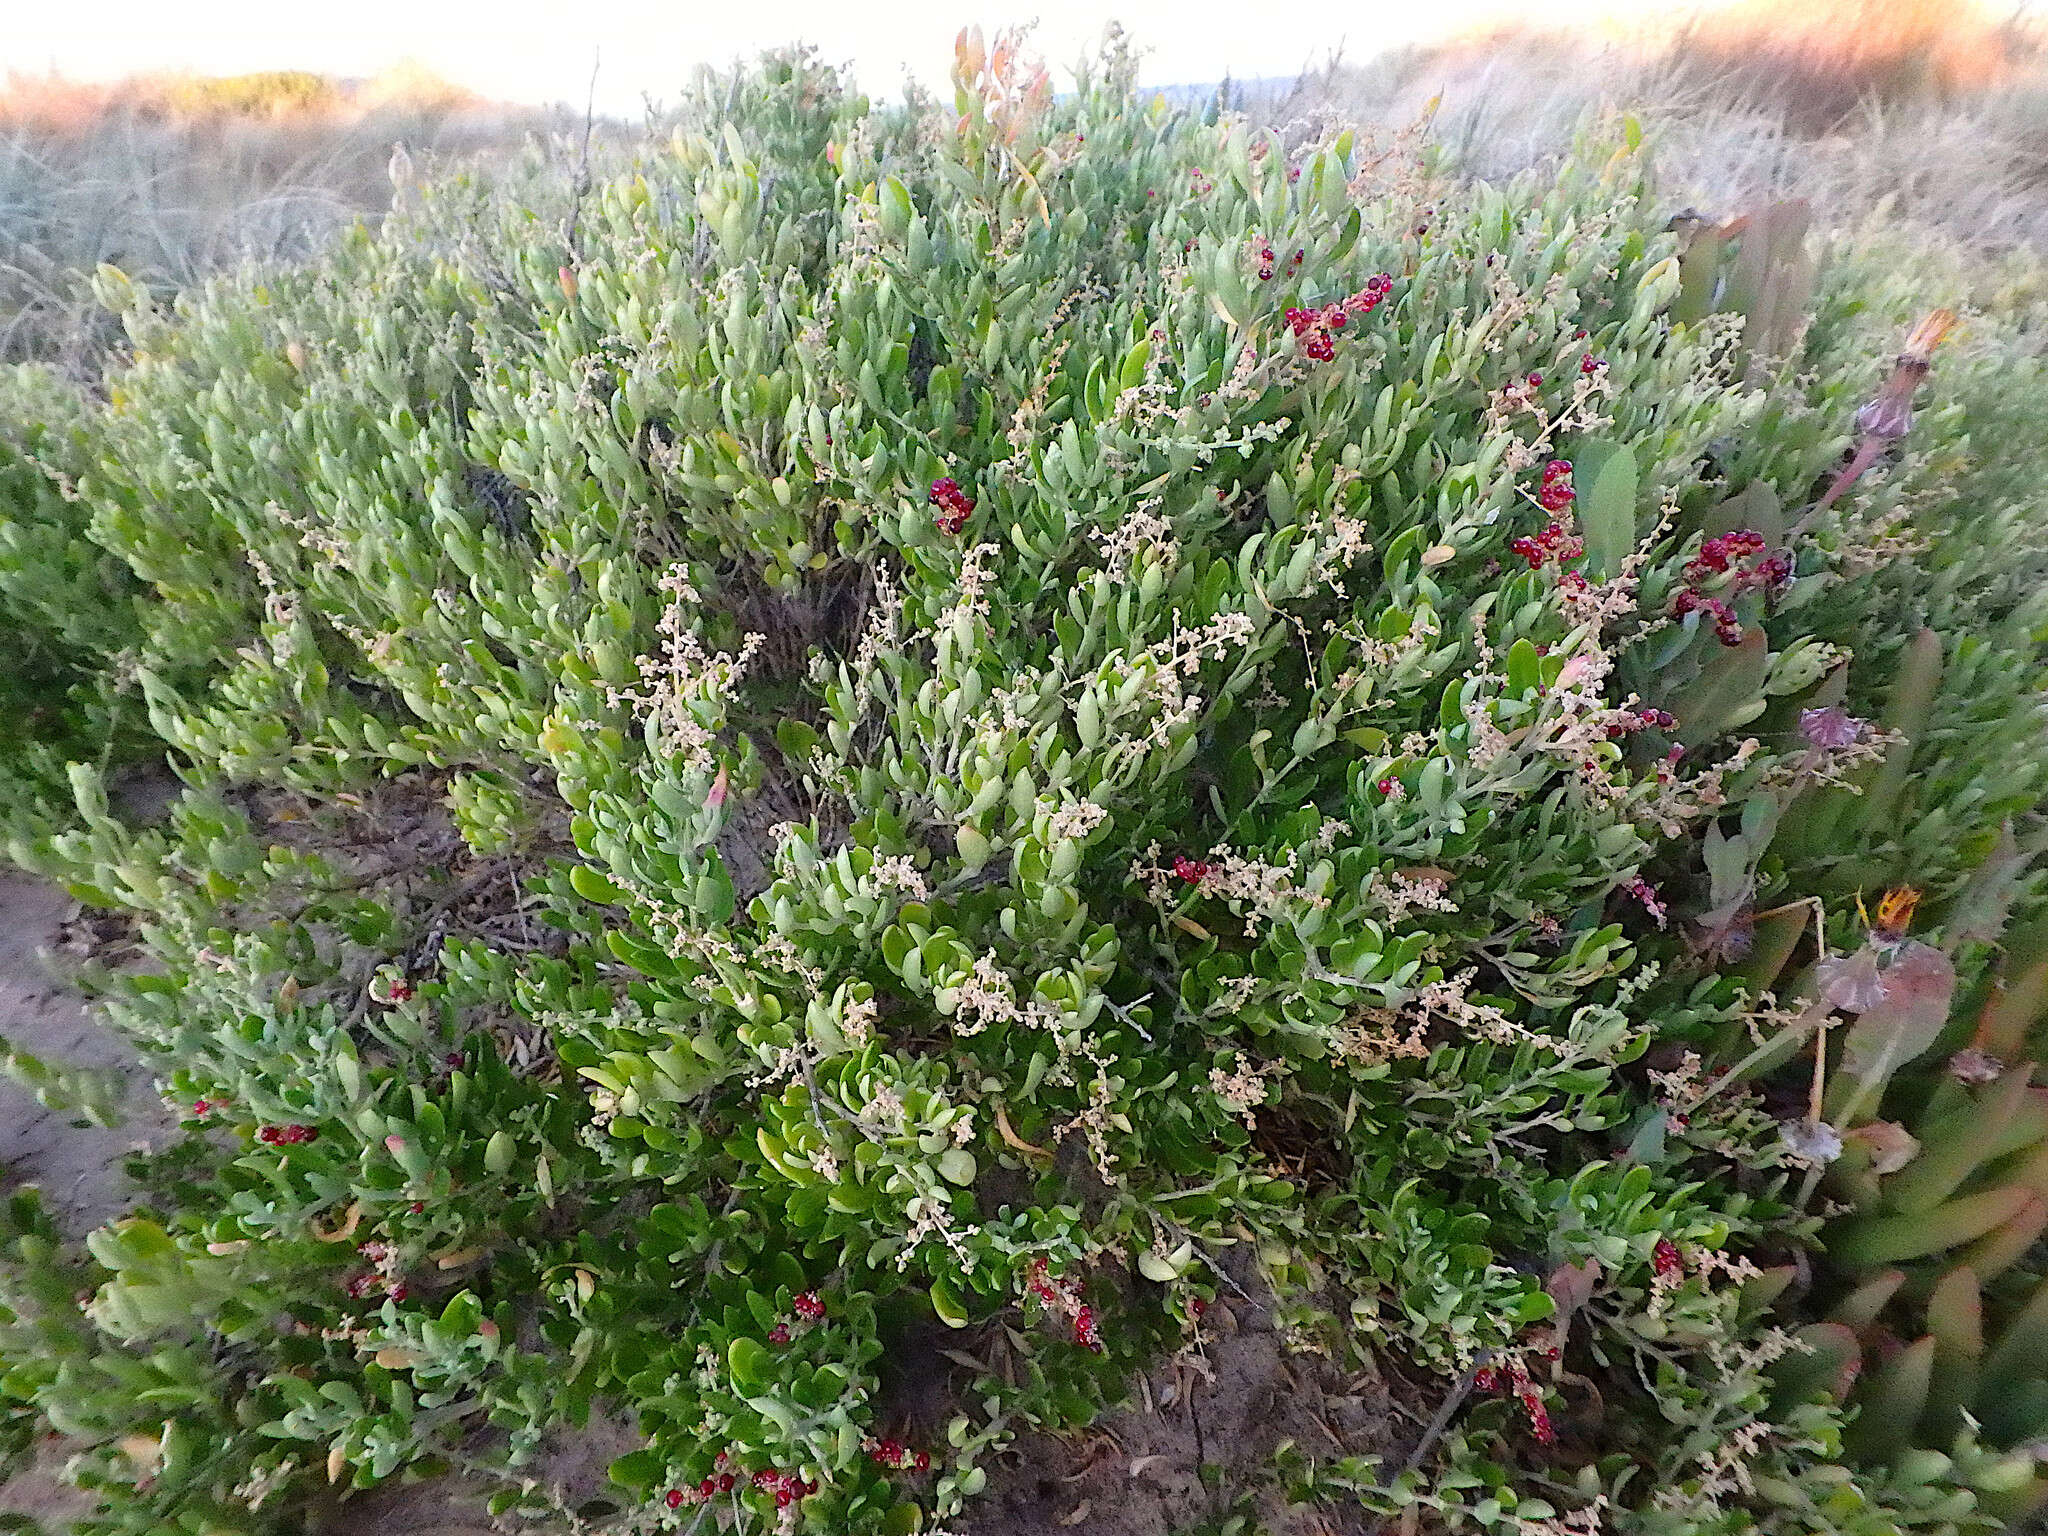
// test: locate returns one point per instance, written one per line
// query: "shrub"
(908, 754)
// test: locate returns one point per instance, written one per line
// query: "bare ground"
(76, 1164)
(1197, 1446)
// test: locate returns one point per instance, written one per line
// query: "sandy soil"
(77, 1165)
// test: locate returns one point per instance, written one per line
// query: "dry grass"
(1927, 111)
(174, 178)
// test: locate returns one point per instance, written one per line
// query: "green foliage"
(907, 729)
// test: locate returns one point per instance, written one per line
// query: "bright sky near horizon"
(543, 50)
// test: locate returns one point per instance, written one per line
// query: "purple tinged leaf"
(1917, 988)
(1851, 982)
(1831, 728)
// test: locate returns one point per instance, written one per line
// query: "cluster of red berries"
(1666, 1262)
(1086, 1332)
(1193, 871)
(894, 1455)
(1064, 1297)
(717, 1483)
(1267, 258)
(1555, 542)
(787, 1487)
(1591, 364)
(1314, 328)
(1719, 554)
(1723, 556)
(809, 1308)
(1514, 1378)
(954, 504)
(1726, 630)
(1645, 719)
(704, 1492)
(286, 1135)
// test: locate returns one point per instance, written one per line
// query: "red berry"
(1486, 1379)
(1085, 1333)
(726, 1481)
(673, 1498)
(1774, 571)
(779, 1334)
(923, 1461)
(785, 1496)
(1193, 871)
(1535, 379)
(418, 1207)
(944, 489)
(707, 1488)
(400, 1291)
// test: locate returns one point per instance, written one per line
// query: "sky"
(543, 51)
